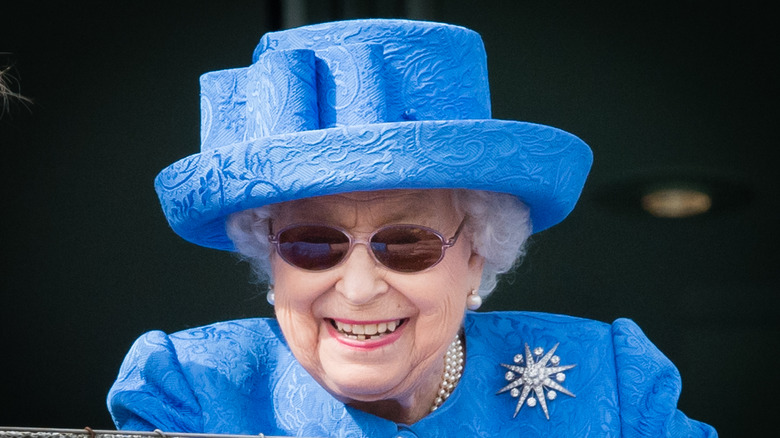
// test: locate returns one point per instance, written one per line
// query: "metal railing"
(31, 432)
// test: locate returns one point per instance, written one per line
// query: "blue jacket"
(239, 377)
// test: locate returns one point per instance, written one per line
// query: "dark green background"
(658, 89)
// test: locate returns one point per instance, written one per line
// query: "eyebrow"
(320, 211)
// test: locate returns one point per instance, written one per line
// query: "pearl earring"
(474, 300)
(270, 296)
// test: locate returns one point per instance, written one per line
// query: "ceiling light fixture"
(676, 202)
(676, 194)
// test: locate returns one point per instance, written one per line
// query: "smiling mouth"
(366, 332)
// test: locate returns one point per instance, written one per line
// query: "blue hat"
(362, 105)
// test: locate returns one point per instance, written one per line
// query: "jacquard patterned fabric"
(362, 105)
(240, 377)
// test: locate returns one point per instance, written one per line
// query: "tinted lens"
(313, 247)
(407, 248)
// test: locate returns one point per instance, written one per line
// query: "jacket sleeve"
(649, 386)
(152, 391)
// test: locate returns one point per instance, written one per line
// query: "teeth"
(366, 331)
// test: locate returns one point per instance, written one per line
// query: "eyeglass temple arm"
(271, 238)
(454, 238)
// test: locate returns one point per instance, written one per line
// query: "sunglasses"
(400, 248)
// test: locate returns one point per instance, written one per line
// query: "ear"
(476, 264)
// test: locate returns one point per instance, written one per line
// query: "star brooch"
(542, 375)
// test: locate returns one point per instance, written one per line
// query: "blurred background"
(678, 100)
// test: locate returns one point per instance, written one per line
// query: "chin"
(355, 383)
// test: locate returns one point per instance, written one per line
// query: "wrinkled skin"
(397, 380)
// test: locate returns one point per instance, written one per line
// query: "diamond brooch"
(538, 381)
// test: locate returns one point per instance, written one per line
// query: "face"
(321, 312)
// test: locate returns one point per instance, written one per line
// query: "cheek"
(440, 295)
(456, 281)
(441, 304)
(296, 297)
(295, 290)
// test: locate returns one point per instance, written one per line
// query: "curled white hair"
(499, 225)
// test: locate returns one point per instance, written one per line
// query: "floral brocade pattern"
(362, 105)
(240, 377)
(511, 156)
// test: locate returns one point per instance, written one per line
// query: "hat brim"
(544, 166)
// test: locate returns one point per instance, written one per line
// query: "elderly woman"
(356, 167)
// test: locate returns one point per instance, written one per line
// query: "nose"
(361, 277)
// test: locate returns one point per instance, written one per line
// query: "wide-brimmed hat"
(362, 105)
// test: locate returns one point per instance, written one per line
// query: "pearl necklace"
(453, 369)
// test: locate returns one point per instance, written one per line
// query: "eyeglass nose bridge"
(352, 241)
(374, 247)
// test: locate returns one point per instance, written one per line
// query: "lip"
(355, 321)
(369, 344)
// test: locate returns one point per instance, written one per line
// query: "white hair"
(498, 224)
